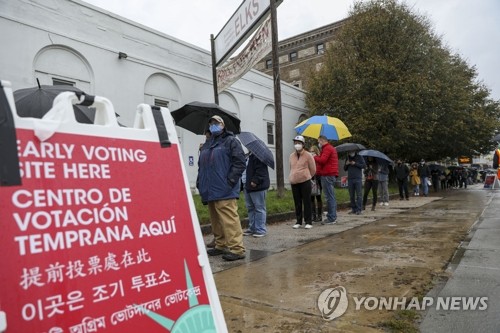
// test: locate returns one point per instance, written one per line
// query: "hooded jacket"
(257, 173)
(221, 163)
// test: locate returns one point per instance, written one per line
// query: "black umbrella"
(37, 101)
(195, 116)
(376, 154)
(436, 167)
(349, 147)
(257, 147)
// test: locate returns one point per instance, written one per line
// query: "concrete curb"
(206, 229)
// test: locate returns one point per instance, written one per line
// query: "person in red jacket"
(328, 163)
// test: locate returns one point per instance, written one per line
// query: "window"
(61, 82)
(320, 48)
(270, 133)
(269, 63)
(293, 56)
(161, 103)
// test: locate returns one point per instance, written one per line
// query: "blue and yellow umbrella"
(331, 127)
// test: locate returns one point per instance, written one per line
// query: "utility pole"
(214, 70)
(280, 182)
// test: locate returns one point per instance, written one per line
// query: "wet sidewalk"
(476, 274)
(394, 251)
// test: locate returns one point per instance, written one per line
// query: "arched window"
(161, 90)
(59, 64)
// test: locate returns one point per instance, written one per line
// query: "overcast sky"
(470, 28)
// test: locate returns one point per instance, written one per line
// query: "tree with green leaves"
(400, 90)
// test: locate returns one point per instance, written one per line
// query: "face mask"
(215, 129)
(298, 146)
(319, 145)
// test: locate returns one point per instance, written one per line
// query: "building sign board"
(256, 49)
(102, 235)
(249, 15)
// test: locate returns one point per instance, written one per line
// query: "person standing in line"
(402, 173)
(221, 163)
(383, 182)
(496, 161)
(435, 173)
(302, 169)
(255, 188)
(354, 166)
(328, 163)
(316, 202)
(371, 181)
(415, 179)
(424, 173)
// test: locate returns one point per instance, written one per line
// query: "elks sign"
(249, 15)
(102, 235)
(258, 47)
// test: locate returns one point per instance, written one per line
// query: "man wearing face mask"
(221, 163)
(328, 165)
(302, 168)
(402, 173)
(354, 166)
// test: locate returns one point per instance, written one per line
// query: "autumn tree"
(400, 90)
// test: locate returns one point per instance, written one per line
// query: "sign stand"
(102, 233)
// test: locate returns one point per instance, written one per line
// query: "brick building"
(300, 54)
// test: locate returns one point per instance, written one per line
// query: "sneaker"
(358, 213)
(353, 212)
(247, 233)
(258, 235)
(386, 204)
(296, 226)
(215, 252)
(381, 204)
(329, 222)
(233, 256)
(308, 226)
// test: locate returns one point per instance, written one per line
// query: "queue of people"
(225, 170)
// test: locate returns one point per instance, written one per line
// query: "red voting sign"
(100, 238)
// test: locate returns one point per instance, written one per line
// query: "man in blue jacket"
(221, 163)
(256, 184)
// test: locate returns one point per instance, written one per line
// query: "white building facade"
(72, 42)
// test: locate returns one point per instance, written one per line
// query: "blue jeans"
(257, 211)
(355, 186)
(425, 186)
(328, 185)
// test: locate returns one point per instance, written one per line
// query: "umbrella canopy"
(37, 101)
(195, 116)
(332, 128)
(257, 147)
(377, 154)
(349, 147)
(436, 167)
